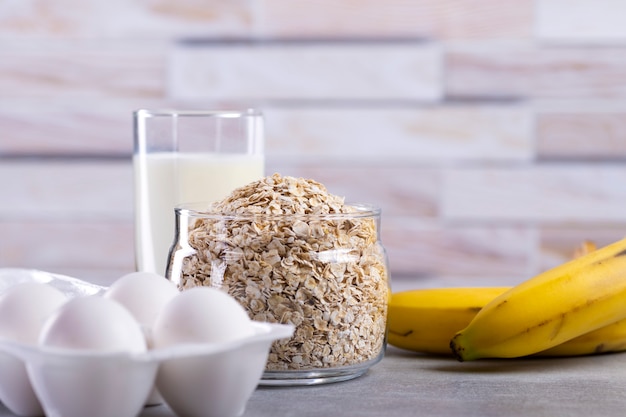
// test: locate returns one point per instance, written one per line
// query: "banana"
(610, 338)
(584, 248)
(562, 303)
(425, 320)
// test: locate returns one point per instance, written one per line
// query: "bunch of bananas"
(577, 308)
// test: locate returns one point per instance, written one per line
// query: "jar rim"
(171, 112)
(200, 210)
(219, 114)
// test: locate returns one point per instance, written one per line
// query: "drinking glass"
(183, 157)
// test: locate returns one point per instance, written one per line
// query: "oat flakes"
(290, 264)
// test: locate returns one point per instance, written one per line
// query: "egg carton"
(210, 379)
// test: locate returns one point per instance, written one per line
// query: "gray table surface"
(407, 384)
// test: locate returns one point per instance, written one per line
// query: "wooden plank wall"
(492, 134)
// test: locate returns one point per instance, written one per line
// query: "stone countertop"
(407, 384)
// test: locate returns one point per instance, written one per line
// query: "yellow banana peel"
(610, 338)
(558, 305)
(425, 320)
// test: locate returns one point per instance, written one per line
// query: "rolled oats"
(291, 252)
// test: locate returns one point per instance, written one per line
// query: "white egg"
(201, 315)
(143, 293)
(24, 308)
(93, 323)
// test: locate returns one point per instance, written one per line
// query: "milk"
(166, 179)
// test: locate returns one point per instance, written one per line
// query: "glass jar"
(326, 274)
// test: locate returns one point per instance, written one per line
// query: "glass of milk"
(187, 156)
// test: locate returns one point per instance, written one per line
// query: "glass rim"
(195, 210)
(145, 113)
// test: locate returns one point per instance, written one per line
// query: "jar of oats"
(291, 252)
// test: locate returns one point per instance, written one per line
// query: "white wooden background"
(492, 133)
